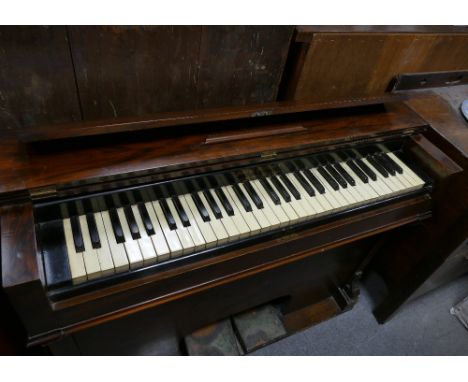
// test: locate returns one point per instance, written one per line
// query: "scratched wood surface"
(62, 74)
(329, 65)
(37, 85)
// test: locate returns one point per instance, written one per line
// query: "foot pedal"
(259, 327)
(215, 339)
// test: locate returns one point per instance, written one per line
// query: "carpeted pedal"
(253, 329)
(259, 327)
(216, 339)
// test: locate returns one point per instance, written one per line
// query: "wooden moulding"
(169, 119)
(22, 273)
(126, 298)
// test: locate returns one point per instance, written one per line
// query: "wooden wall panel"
(129, 71)
(241, 65)
(135, 70)
(37, 84)
(347, 65)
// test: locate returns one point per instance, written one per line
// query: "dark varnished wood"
(428, 246)
(364, 61)
(411, 81)
(130, 156)
(37, 84)
(305, 32)
(308, 265)
(188, 282)
(138, 70)
(22, 273)
(192, 117)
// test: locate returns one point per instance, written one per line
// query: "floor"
(422, 327)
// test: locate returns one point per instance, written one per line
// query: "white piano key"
(216, 224)
(275, 221)
(364, 189)
(321, 198)
(381, 187)
(135, 258)
(205, 227)
(328, 195)
(194, 230)
(228, 223)
(145, 243)
(269, 206)
(159, 240)
(316, 206)
(409, 174)
(104, 253)
(90, 257)
(237, 218)
(394, 189)
(302, 207)
(118, 252)
(183, 234)
(286, 207)
(334, 197)
(171, 236)
(239, 210)
(262, 220)
(75, 259)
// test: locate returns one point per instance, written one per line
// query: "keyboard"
(95, 236)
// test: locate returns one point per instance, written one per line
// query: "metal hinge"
(43, 192)
(269, 154)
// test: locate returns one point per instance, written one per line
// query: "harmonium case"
(124, 236)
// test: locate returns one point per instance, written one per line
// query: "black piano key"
(329, 179)
(180, 210)
(189, 186)
(290, 166)
(54, 253)
(132, 224)
(332, 171)
(313, 162)
(280, 188)
(299, 164)
(253, 195)
(377, 166)
(77, 235)
(364, 167)
(350, 153)
(93, 232)
(145, 218)
(384, 164)
(293, 190)
(342, 154)
(321, 159)
(116, 226)
(394, 164)
(271, 193)
(224, 201)
(315, 182)
(212, 202)
(330, 158)
(201, 207)
(114, 218)
(124, 199)
(242, 198)
(385, 160)
(345, 174)
(167, 214)
(353, 166)
(306, 185)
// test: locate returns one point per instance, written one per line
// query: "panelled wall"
(59, 74)
(327, 63)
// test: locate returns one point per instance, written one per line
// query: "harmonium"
(125, 236)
